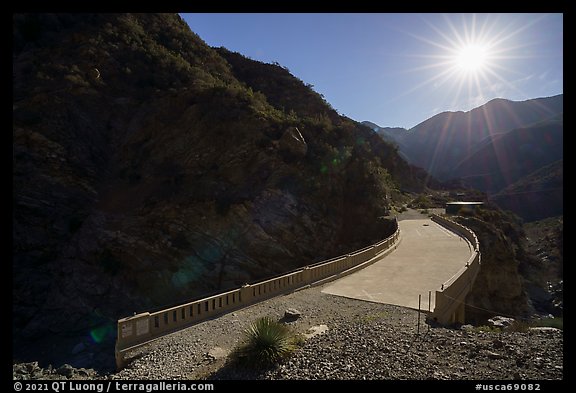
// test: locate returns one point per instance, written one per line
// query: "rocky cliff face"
(545, 274)
(499, 288)
(149, 169)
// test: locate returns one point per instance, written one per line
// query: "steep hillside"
(521, 269)
(441, 142)
(149, 168)
(499, 288)
(513, 155)
(290, 95)
(281, 88)
(536, 196)
(545, 272)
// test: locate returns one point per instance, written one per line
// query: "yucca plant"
(266, 343)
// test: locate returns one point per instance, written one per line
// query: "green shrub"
(518, 326)
(557, 323)
(421, 202)
(487, 329)
(267, 342)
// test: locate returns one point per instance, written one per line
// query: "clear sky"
(398, 70)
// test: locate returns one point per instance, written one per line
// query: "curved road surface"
(428, 255)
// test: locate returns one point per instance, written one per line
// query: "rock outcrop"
(499, 287)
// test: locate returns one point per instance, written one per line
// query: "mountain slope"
(441, 142)
(507, 158)
(149, 168)
(536, 196)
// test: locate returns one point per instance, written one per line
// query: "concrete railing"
(449, 300)
(144, 327)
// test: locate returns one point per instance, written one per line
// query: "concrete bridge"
(429, 256)
(437, 258)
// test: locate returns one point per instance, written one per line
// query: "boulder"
(65, 370)
(500, 322)
(292, 314)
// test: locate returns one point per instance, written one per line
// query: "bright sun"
(471, 58)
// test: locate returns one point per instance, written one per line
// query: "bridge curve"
(433, 269)
(427, 256)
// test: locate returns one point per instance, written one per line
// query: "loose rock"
(292, 314)
(500, 322)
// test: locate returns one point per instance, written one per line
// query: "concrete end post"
(131, 331)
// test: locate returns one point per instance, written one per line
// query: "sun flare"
(471, 58)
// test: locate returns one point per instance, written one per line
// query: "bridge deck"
(428, 255)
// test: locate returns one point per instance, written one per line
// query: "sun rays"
(470, 58)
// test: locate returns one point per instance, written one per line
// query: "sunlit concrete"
(428, 256)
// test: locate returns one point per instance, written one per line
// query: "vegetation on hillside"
(150, 169)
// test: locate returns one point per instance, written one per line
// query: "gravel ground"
(186, 354)
(377, 350)
(364, 341)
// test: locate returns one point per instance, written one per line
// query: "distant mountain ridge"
(445, 145)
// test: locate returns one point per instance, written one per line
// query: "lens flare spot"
(100, 333)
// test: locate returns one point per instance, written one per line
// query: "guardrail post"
(306, 275)
(246, 295)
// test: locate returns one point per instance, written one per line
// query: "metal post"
(419, 300)
(429, 300)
